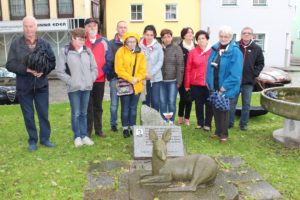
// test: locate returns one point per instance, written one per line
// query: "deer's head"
(160, 145)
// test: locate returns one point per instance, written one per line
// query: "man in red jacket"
(104, 59)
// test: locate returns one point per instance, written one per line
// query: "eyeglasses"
(247, 33)
(80, 39)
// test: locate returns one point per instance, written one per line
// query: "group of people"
(193, 68)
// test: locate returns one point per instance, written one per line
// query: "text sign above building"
(43, 25)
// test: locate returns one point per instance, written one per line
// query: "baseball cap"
(90, 20)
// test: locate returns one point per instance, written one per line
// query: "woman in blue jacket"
(224, 73)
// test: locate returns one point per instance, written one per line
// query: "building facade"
(171, 14)
(55, 19)
(271, 21)
(296, 32)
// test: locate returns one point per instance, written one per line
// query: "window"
(259, 2)
(259, 38)
(17, 9)
(41, 9)
(229, 2)
(137, 12)
(171, 12)
(95, 9)
(65, 9)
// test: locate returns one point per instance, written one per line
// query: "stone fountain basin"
(282, 101)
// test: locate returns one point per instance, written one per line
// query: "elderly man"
(32, 81)
(104, 59)
(253, 64)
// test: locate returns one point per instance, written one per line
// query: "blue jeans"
(246, 92)
(153, 93)
(168, 95)
(40, 97)
(114, 102)
(129, 109)
(79, 101)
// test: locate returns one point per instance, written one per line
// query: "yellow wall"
(82, 9)
(154, 13)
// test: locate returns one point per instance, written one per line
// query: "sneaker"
(114, 129)
(206, 128)
(187, 122)
(223, 140)
(198, 127)
(243, 128)
(101, 134)
(180, 120)
(32, 147)
(48, 144)
(78, 142)
(126, 133)
(214, 136)
(87, 141)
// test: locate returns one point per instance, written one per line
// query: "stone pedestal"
(289, 135)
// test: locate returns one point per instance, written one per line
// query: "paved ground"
(58, 91)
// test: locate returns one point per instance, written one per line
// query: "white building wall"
(273, 20)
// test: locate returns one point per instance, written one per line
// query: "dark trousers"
(40, 98)
(221, 122)
(95, 108)
(200, 94)
(184, 105)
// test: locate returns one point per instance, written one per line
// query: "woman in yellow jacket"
(126, 57)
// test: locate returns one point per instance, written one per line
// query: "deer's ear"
(152, 135)
(167, 135)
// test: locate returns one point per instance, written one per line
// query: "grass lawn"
(60, 173)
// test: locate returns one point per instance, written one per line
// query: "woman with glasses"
(78, 69)
(130, 65)
(224, 71)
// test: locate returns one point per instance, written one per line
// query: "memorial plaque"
(143, 145)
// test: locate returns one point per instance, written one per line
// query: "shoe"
(180, 120)
(243, 128)
(130, 131)
(48, 144)
(126, 133)
(114, 129)
(32, 147)
(101, 134)
(223, 140)
(187, 122)
(206, 128)
(230, 126)
(214, 136)
(87, 141)
(78, 142)
(198, 127)
(171, 122)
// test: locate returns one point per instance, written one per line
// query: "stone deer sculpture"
(200, 170)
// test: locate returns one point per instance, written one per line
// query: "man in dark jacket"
(253, 64)
(32, 81)
(115, 44)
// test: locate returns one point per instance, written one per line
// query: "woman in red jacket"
(195, 79)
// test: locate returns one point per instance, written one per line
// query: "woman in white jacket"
(155, 57)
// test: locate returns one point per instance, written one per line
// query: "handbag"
(123, 86)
